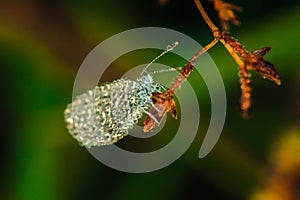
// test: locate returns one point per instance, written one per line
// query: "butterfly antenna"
(169, 48)
(166, 70)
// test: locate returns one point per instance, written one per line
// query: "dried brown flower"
(263, 67)
(248, 61)
(226, 13)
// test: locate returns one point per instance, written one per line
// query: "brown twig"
(164, 102)
(245, 60)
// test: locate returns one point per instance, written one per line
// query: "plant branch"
(211, 25)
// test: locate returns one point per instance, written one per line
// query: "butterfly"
(105, 114)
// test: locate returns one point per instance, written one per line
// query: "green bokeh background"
(42, 45)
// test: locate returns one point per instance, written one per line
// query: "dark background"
(42, 45)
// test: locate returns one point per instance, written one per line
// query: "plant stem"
(205, 16)
(185, 72)
(203, 50)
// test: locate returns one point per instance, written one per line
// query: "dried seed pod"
(263, 67)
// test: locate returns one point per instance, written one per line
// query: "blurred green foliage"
(42, 45)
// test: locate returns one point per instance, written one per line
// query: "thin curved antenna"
(169, 48)
(166, 70)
